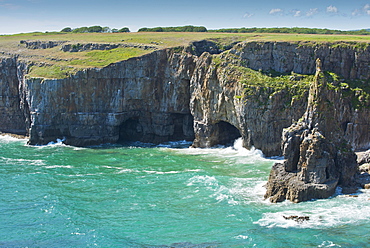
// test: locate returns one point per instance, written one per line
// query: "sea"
(167, 195)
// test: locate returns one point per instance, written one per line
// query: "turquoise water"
(137, 196)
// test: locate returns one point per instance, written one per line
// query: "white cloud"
(247, 15)
(276, 11)
(297, 13)
(332, 9)
(365, 10)
(312, 12)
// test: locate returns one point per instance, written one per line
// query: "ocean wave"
(234, 192)
(162, 172)
(123, 171)
(58, 166)
(57, 143)
(23, 161)
(235, 151)
(339, 210)
(6, 138)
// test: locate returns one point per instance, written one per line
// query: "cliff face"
(342, 59)
(12, 118)
(144, 99)
(261, 116)
(221, 112)
(169, 95)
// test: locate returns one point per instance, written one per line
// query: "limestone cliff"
(144, 99)
(222, 112)
(12, 118)
(191, 94)
(223, 90)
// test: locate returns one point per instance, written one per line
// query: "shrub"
(124, 30)
(67, 29)
(95, 29)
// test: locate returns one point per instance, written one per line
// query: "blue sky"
(18, 16)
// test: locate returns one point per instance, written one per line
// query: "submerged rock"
(299, 219)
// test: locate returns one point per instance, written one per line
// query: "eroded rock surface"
(317, 157)
(12, 118)
(182, 94)
(38, 44)
(143, 99)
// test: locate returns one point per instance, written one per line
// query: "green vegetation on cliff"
(135, 44)
(257, 82)
(357, 90)
(101, 58)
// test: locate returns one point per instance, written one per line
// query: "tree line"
(294, 30)
(175, 29)
(95, 29)
(189, 28)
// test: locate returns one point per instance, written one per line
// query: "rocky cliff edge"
(209, 96)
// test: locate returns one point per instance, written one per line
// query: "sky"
(21, 16)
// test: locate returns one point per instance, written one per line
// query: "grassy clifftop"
(54, 63)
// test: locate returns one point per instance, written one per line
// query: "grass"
(271, 82)
(357, 90)
(261, 83)
(51, 71)
(62, 63)
(99, 58)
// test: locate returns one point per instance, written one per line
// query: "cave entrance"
(226, 133)
(160, 128)
(182, 127)
(130, 130)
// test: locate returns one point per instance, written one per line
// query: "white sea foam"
(332, 212)
(328, 243)
(8, 138)
(124, 171)
(241, 237)
(251, 190)
(233, 192)
(58, 143)
(203, 180)
(58, 166)
(161, 172)
(236, 152)
(195, 170)
(23, 161)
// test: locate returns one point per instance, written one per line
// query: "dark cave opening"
(226, 133)
(130, 130)
(160, 128)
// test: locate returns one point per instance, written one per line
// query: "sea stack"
(317, 158)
